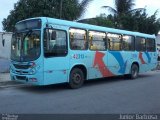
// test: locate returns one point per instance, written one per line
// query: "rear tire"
(76, 78)
(134, 71)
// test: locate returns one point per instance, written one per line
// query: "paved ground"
(111, 95)
(4, 70)
(4, 77)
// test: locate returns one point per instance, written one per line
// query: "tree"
(23, 9)
(141, 22)
(101, 20)
(125, 17)
(123, 7)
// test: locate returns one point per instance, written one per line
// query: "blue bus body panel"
(97, 63)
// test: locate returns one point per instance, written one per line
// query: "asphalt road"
(110, 95)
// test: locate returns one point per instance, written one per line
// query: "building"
(5, 50)
(158, 40)
(158, 45)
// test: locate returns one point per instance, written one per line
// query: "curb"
(9, 83)
(6, 82)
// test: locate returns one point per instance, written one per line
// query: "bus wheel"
(134, 71)
(76, 79)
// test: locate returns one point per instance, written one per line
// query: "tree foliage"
(23, 9)
(122, 7)
(125, 17)
(101, 20)
(141, 22)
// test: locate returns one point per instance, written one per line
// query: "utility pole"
(61, 5)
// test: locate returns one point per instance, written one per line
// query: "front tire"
(76, 78)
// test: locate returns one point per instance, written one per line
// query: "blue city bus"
(48, 51)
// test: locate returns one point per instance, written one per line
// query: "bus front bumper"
(27, 79)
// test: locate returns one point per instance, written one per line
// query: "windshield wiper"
(29, 32)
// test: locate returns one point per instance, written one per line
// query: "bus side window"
(97, 40)
(78, 39)
(140, 44)
(114, 41)
(150, 45)
(128, 43)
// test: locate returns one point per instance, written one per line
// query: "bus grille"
(21, 72)
(21, 66)
(21, 77)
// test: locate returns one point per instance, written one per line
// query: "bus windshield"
(25, 46)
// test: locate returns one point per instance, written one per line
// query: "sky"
(93, 9)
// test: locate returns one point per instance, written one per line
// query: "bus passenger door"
(56, 59)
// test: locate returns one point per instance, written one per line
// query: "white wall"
(6, 49)
(158, 39)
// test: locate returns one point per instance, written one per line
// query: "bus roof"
(91, 27)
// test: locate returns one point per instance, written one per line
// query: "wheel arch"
(136, 63)
(82, 67)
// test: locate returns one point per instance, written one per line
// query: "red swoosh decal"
(101, 65)
(141, 58)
